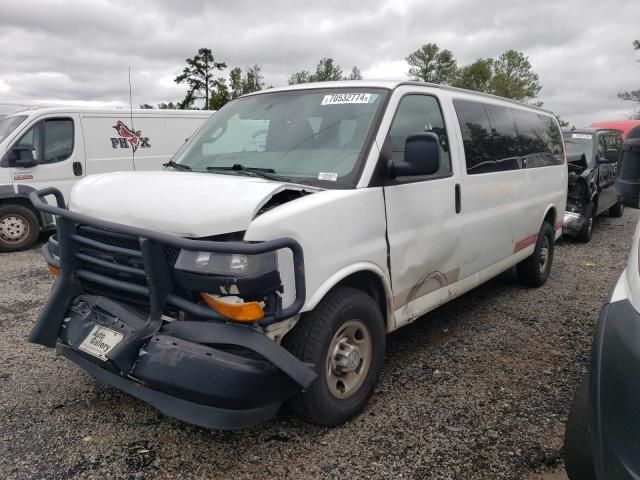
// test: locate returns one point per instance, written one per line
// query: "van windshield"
(581, 143)
(9, 124)
(315, 136)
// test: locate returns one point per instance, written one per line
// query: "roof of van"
(112, 111)
(392, 84)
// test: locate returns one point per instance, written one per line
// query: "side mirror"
(421, 156)
(22, 156)
(611, 156)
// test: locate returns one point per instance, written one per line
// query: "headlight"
(232, 264)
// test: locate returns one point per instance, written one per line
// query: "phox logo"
(127, 137)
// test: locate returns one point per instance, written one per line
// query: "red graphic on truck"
(128, 138)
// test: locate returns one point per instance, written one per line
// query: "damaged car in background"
(294, 230)
(592, 156)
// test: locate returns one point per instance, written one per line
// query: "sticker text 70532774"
(342, 98)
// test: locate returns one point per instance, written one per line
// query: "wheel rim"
(544, 254)
(348, 359)
(14, 228)
(590, 228)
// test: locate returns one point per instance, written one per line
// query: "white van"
(298, 227)
(56, 147)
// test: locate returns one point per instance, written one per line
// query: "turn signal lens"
(55, 271)
(240, 312)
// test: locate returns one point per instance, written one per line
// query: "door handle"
(77, 169)
(458, 199)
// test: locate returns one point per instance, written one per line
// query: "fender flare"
(8, 192)
(344, 272)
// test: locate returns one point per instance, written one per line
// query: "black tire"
(534, 270)
(19, 228)
(312, 338)
(578, 456)
(617, 210)
(585, 233)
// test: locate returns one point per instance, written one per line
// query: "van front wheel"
(344, 338)
(534, 270)
(19, 228)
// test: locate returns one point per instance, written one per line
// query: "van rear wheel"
(19, 228)
(534, 270)
(344, 338)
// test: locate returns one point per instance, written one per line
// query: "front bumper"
(572, 223)
(615, 392)
(198, 372)
(203, 368)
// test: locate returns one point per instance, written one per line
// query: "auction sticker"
(584, 136)
(329, 176)
(100, 341)
(343, 98)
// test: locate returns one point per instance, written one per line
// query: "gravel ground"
(478, 389)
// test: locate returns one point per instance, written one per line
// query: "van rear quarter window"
(540, 137)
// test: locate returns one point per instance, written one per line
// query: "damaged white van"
(57, 146)
(296, 228)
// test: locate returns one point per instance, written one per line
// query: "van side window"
(540, 139)
(58, 140)
(50, 140)
(415, 114)
(504, 148)
(476, 136)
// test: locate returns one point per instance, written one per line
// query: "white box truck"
(296, 228)
(56, 147)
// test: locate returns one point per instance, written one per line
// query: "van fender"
(345, 272)
(9, 192)
(559, 217)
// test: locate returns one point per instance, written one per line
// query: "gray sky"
(79, 51)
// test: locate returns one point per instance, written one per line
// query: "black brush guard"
(237, 390)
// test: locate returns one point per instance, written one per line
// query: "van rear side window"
(498, 138)
(541, 140)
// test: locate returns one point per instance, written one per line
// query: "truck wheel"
(534, 270)
(19, 228)
(584, 235)
(578, 457)
(617, 209)
(344, 338)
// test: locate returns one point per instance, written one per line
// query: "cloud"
(78, 51)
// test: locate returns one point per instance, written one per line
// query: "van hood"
(186, 204)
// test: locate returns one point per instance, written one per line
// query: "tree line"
(510, 75)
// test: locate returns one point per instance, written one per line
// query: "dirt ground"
(478, 389)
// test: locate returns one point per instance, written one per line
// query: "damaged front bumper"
(572, 223)
(197, 366)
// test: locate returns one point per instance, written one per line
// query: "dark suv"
(592, 156)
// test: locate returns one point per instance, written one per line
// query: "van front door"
(57, 146)
(422, 223)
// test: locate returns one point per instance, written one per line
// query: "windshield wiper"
(259, 172)
(177, 166)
